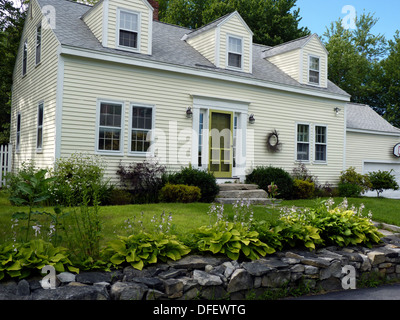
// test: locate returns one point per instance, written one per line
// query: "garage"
(384, 166)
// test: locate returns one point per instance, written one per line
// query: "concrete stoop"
(231, 192)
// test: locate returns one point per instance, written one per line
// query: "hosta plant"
(232, 240)
(142, 249)
(22, 259)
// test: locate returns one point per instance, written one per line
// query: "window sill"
(140, 154)
(109, 153)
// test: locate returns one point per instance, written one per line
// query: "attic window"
(128, 32)
(313, 70)
(235, 52)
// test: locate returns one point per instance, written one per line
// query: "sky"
(318, 14)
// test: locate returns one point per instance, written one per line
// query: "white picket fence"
(5, 162)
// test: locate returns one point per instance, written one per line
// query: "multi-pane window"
(25, 58)
(128, 29)
(39, 131)
(18, 138)
(320, 143)
(235, 52)
(38, 43)
(110, 127)
(303, 142)
(314, 70)
(142, 124)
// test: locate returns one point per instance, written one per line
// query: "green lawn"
(187, 217)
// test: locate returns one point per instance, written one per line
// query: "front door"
(221, 143)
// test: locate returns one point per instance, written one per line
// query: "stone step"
(260, 201)
(237, 186)
(239, 194)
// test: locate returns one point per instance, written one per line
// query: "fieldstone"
(310, 270)
(366, 264)
(66, 277)
(23, 288)
(173, 288)
(334, 270)
(263, 266)
(172, 273)
(316, 262)
(153, 294)
(331, 284)
(376, 257)
(206, 279)
(229, 269)
(93, 277)
(297, 268)
(152, 283)
(127, 291)
(276, 279)
(72, 293)
(196, 262)
(240, 280)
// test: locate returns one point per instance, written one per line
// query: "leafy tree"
(354, 57)
(390, 82)
(272, 21)
(12, 17)
(382, 180)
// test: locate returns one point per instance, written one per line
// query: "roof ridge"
(291, 41)
(210, 23)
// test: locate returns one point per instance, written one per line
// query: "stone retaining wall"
(207, 277)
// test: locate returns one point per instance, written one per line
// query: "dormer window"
(235, 52)
(313, 70)
(128, 30)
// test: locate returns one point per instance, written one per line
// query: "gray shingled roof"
(167, 47)
(363, 117)
(286, 47)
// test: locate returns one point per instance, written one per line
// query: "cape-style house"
(112, 80)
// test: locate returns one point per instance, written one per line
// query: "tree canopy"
(272, 21)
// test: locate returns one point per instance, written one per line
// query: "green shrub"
(352, 184)
(180, 193)
(349, 190)
(78, 179)
(382, 180)
(120, 197)
(22, 259)
(141, 249)
(264, 176)
(198, 178)
(232, 240)
(303, 189)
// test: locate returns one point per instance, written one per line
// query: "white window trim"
(121, 145)
(316, 143)
(152, 131)
(309, 69)
(36, 44)
(117, 45)
(297, 142)
(227, 53)
(18, 133)
(24, 62)
(39, 149)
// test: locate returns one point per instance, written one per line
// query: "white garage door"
(374, 166)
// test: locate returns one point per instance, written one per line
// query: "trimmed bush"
(352, 184)
(303, 189)
(193, 177)
(180, 193)
(264, 176)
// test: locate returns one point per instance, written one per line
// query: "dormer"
(304, 59)
(122, 24)
(227, 43)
